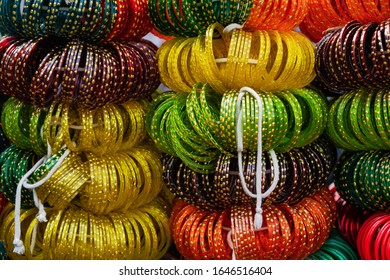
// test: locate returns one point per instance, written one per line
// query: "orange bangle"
(243, 233)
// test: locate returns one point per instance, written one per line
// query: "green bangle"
(155, 120)
(295, 121)
(281, 121)
(314, 116)
(342, 125)
(367, 125)
(378, 116)
(331, 131)
(14, 119)
(14, 163)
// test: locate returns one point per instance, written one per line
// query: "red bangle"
(368, 244)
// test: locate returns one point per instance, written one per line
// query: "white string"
(224, 60)
(19, 247)
(80, 127)
(231, 27)
(258, 219)
(41, 216)
(230, 241)
(21, 6)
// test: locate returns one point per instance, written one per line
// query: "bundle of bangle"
(369, 11)
(291, 118)
(170, 125)
(14, 164)
(358, 120)
(76, 234)
(88, 75)
(373, 238)
(273, 15)
(323, 15)
(288, 231)
(334, 248)
(122, 181)
(353, 56)
(103, 130)
(180, 18)
(107, 129)
(90, 20)
(361, 180)
(302, 172)
(349, 221)
(197, 126)
(32, 233)
(263, 60)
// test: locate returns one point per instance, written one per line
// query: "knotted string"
(41, 216)
(258, 219)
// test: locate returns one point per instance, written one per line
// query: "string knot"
(19, 246)
(258, 222)
(42, 217)
(259, 210)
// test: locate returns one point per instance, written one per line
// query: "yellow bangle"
(27, 217)
(50, 236)
(160, 218)
(52, 128)
(185, 58)
(162, 62)
(174, 67)
(86, 134)
(120, 232)
(149, 235)
(64, 185)
(263, 60)
(96, 194)
(135, 129)
(213, 75)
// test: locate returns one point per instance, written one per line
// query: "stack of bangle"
(108, 129)
(263, 60)
(188, 19)
(90, 20)
(118, 182)
(276, 15)
(361, 179)
(197, 126)
(290, 232)
(291, 118)
(89, 76)
(302, 172)
(358, 120)
(170, 126)
(323, 15)
(122, 181)
(141, 233)
(334, 248)
(374, 238)
(354, 56)
(350, 220)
